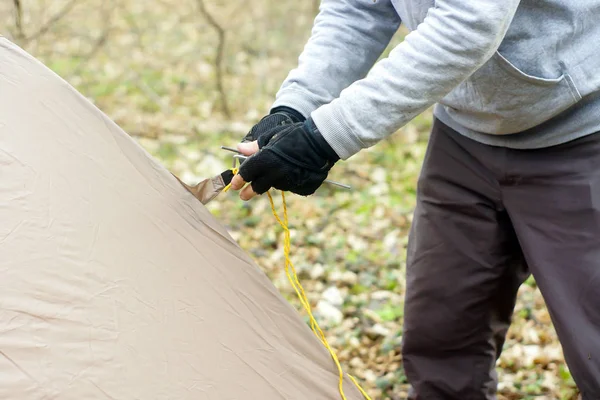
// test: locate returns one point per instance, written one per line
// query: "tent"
(115, 281)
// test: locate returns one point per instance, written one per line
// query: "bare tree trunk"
(218, 56)
(20, 35)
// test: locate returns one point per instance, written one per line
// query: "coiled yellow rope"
(295, 282)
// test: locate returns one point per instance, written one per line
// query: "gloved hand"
(278, 117)
(293, 157)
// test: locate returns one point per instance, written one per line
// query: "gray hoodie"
(522, 74)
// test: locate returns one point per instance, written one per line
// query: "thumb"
(248, 148)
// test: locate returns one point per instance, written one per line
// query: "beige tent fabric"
(115, 281)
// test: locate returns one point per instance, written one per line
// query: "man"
(511, 178)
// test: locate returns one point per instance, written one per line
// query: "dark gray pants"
(486, 217)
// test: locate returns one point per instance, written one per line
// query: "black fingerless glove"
(278, 117)
(293, 157)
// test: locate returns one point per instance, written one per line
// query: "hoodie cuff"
(335, 131)
(297, 100)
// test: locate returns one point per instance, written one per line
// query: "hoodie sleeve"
(347, 38)
(455, 39)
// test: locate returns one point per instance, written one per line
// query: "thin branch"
(97, 46)
(55, 18)
(98, 42)
(19, 19)
(218, 56)
(151, 95)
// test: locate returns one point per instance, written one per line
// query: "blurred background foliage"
(185, 77)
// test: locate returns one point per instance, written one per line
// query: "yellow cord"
(235, 171)
(295, 282)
